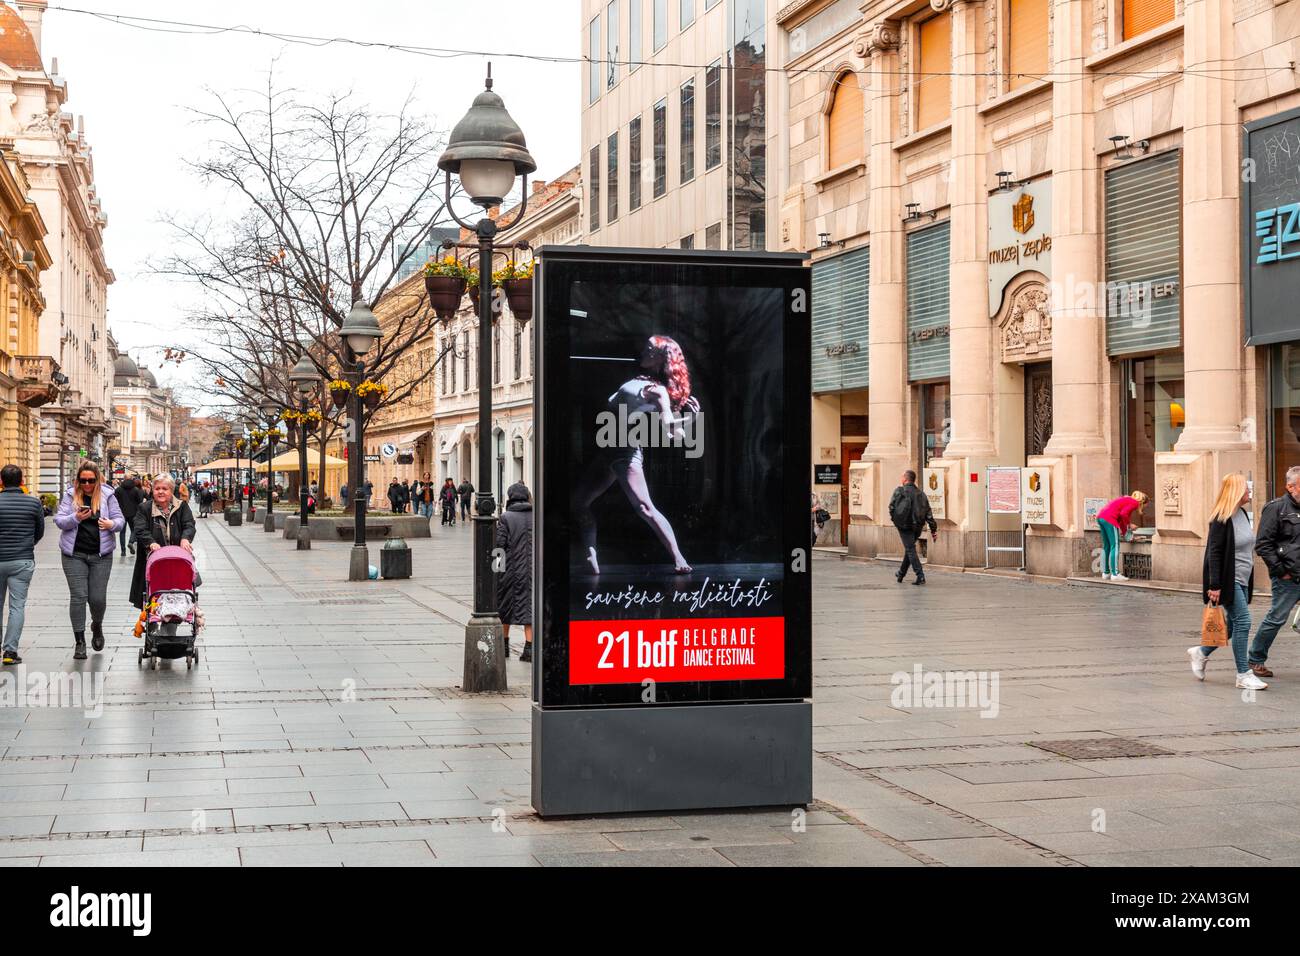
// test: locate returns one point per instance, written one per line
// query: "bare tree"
(327, 201)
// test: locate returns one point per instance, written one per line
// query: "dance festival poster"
(673, 411)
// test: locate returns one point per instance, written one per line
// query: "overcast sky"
(134, 87)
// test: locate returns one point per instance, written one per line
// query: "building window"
(1154, 400)
(611, 44)
(593, 60)
(688, 130)
(844, 128)
(593, 201)
(1026, 42)
(660, 23)
(452, 357)
(517, 347)
(687, 13)
(688, 242)
(634, 164)
(661, 147)
(713, 114)
(634, 35)
(713, 236)
(934, 71)
(1143, 15)
(936, 417)
(496, 355)
(611, 184)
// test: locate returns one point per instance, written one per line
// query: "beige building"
(146, 444)
(1031, 221)
(676, 134)
(56, 157)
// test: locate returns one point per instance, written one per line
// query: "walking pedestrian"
(447, 497)
(426, 494)
(909, 509)
(22, 524)
(1277, 544)
(514, 536)
(367, 492)
(128, 497)
(343, 494)
(1113, 521)
(395, 495)
(1228, 576)
(466, 492)
(406, 495)
(162, 520)
(89, 520)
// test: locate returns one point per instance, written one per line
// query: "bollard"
(235, 516)
(395, 559)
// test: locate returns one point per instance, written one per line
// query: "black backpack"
(902, 508)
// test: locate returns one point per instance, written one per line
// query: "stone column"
(887, 450)
(971, 338)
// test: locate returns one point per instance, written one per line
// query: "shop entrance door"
(849, 452)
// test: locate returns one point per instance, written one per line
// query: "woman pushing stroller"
(162, 520)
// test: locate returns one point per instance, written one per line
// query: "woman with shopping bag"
(1228, 582)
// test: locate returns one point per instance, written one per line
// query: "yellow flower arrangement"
(449, 266)
(340, 385)
(368, 387)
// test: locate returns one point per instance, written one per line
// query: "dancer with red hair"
(663, 389)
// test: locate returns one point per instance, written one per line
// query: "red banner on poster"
(699, 649)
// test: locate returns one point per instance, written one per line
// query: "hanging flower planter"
(519, 293)
(339, 392)
(372, 393)
(445, 280)
(310, 424)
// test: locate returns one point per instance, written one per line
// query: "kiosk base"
(693, 757)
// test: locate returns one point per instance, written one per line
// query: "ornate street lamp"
(306, 379)
(234, 440)
(270, 415)
(360, 332)
(250, 422)
(486, 151)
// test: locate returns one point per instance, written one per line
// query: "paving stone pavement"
(323, 726)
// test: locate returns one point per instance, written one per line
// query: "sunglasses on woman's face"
(87, 481)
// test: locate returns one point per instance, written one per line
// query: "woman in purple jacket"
(88, 520)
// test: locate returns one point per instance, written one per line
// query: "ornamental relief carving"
(881, 37)
(1027, 329)
(1171, 493)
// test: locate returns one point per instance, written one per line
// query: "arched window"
(844, 122)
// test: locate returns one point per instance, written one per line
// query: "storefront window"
(1284, 444)
(936, 419)
(1154, 415)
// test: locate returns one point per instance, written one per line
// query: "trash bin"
(395, 559)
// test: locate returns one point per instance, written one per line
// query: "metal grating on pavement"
(1100, 748)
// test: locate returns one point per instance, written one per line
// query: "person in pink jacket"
(1113, 521)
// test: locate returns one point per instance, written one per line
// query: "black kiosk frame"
(656, 687)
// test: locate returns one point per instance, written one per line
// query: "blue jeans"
(1285, 596)
(1238, 619)
(426, 508)
(1109, 547)
(15, 576)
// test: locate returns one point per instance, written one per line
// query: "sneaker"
(526, 654)
(11, 657)
(1249, 681)
(1118, 577)
(1105, 576)
(79, 653)
(1198, 662)
(1260, 670)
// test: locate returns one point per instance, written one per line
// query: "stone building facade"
(147, 442)
(1029, 234)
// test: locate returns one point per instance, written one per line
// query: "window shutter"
(927, 302)
(1143, 15)
(1027, 42)
(845, 127)
(934, 82)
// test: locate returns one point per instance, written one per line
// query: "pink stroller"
(171, 607)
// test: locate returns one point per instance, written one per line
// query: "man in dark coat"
(466, 492)
(909, 509)
(395, 495)
(514, 536)
(128, 497)
(1277, 542)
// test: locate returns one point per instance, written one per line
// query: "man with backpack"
(909, 509)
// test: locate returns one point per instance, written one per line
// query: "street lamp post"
(270, 413)
(360, 332)
(487, 151)
(306, 379)
(252, 485)
(238, 490)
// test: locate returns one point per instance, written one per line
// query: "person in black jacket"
(162, 520)
(128, 496)
(1228, 576)
(1278, 543)
(514, 536)
(22, 524)
(909, 509)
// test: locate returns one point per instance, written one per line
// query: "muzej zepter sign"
(674, 490)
